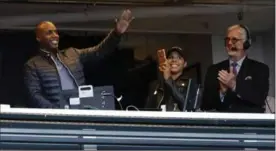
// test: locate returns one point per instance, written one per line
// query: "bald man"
(54, 70)
(237, 84)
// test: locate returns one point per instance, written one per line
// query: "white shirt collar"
(238, 62)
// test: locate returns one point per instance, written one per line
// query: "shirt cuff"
(221, 96)
(234, 89)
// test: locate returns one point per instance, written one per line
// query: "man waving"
(54, 70)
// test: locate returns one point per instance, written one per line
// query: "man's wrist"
(233, 87)
(223, 90)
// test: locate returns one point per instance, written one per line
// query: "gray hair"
(242, 31)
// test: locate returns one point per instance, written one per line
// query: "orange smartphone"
(161, 56)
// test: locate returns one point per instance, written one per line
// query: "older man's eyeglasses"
(233, 40)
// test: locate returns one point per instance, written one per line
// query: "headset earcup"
(246, 45)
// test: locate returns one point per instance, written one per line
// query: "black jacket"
(170, 92)
(42, 78)
(251, 88)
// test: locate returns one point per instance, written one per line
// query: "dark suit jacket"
(252, 85)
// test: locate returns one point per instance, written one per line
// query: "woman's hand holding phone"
(163, 64)
(161, 56)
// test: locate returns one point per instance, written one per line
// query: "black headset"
(248, 40)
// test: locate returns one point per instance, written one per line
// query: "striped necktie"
(234, 65)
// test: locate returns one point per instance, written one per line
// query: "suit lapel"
(225, 65)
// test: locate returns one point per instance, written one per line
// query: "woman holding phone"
(169, 92)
